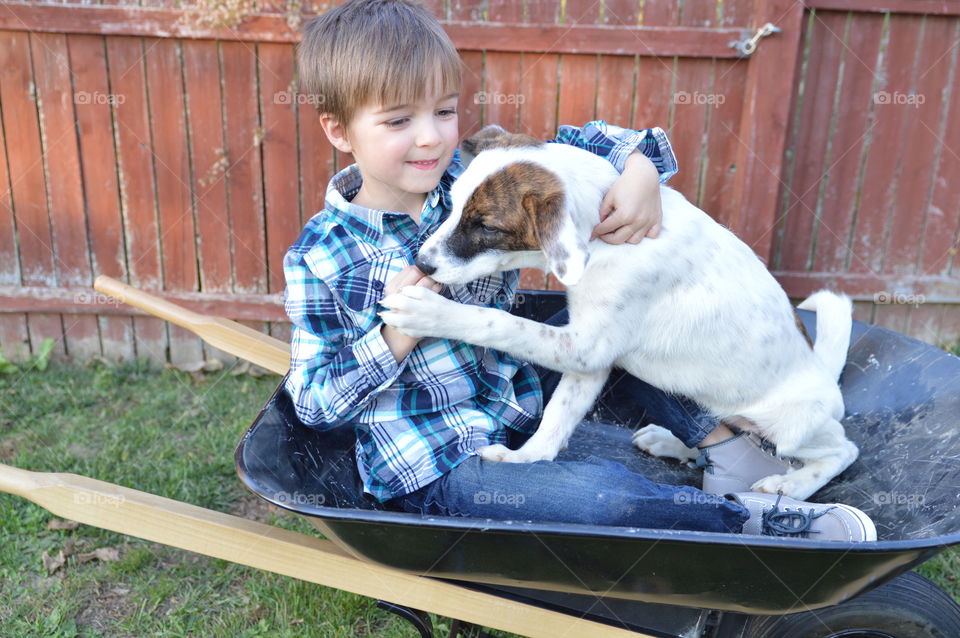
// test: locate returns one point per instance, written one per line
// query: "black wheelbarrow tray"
(903, 411)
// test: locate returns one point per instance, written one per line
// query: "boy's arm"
(616, 144)
(331, 380)
(631, 209)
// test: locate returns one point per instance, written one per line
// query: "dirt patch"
(109, 605)
(8, 447)
(254, 508)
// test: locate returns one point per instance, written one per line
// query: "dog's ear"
(566, 252)
(487, 137)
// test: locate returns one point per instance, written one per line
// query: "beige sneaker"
(736, 464)
(779, 515)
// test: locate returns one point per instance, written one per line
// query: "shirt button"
(377, 285)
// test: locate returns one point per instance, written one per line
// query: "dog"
(692, 312)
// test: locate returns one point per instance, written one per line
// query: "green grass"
(166, 433)
(172, 434)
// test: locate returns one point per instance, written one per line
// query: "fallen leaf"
(208, 365)
(68, 548)
(53, 564)
(296, 621)
(56, 523)
(106, 554)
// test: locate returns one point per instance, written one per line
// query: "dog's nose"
(425, 267)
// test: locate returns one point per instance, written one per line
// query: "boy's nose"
(428, 135)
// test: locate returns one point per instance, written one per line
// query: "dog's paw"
(503, 454)
(659, 441)
(419, 312)
(494, 452)
(792, 486)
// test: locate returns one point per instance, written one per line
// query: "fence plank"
(51, 61)
(922, 99)
(316, 162)
(135, 173)
(880, 174)
(811, 165)
(201, 67)
(177, 236)
(28, 183)
(849, 138)
(502, 92)
(100, 187)
(622, 12)
(281, 168)
(14, 339)
(939, 236)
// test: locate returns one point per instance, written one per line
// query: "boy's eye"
(400, 121)
(446, 112)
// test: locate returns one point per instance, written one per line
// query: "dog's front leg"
(575, 394)
(420, 312)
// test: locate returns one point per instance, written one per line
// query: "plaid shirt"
(418, 419)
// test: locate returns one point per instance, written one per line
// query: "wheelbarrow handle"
(281, 551)
(229, 336)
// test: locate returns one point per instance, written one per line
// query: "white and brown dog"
(693, 312)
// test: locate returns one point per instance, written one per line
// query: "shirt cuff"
(376, 362)
(668, 161)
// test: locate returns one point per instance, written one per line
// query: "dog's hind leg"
(825, 452)
(574, 395)
(657, 440)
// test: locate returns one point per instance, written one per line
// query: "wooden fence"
(140, 144)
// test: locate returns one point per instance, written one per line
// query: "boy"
(386, 79)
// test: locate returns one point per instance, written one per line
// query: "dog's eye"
(490, 230)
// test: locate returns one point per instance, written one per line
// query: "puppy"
(693, 312)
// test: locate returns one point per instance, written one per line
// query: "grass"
(167, 433)
(172, 434)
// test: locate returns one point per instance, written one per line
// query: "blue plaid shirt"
(418, 419)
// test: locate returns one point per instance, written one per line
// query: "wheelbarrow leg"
(419, 619)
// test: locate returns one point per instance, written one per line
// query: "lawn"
(173, 434)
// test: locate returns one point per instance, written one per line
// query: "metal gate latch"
(748, 45)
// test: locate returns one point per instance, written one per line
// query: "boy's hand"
(410, 276)
(631, 209)
(400, 344)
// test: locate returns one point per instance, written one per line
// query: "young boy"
(387, 80)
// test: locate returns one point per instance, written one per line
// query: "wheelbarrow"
(548, 579)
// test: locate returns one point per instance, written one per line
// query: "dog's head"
(509, 211)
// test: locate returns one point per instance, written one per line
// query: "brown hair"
(383, 52)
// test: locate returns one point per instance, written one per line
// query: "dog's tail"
(834, 324)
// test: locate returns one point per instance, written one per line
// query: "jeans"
(595, 491)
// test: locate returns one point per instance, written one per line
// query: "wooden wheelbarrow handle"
(270, 548)
(229, 336)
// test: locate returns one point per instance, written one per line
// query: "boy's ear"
(336, 132)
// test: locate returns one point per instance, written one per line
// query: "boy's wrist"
(400, 344)
(638, 162)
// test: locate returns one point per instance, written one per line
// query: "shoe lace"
(777, 522)
(703, 462)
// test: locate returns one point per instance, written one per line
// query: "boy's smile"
(402, 151)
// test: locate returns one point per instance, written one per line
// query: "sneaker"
(736, 464)
(779, 515)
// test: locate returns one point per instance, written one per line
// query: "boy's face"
(403, 150)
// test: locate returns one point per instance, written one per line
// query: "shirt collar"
(368, 223)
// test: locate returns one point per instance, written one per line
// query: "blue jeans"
(595, 491)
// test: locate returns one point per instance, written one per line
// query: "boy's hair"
(383, 52)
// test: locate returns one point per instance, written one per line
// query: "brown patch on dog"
(802, 328)
(495, 137)
(516, 208)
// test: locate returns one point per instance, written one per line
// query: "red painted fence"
(142, 145)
